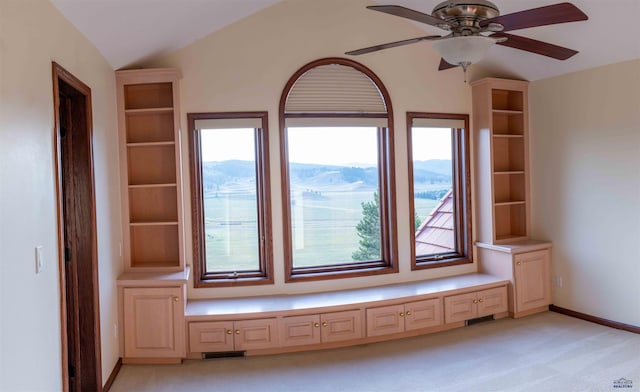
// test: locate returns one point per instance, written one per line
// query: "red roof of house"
(435, 235)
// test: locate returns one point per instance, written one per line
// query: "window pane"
(433, 191)
(230, 203)
(333, 179)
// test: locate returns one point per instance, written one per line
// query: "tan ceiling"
(128, 32)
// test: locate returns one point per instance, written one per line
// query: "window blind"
(334, 88)
(438, 123)
(228, 123)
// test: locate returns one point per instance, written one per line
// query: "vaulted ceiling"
(128, 32)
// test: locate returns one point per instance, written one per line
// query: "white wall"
(32, 34)
(585, 141)
(245, 66)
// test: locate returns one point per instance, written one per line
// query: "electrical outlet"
(559, 281)
(39, 261)
(115, 330)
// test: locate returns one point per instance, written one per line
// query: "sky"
(335, 146)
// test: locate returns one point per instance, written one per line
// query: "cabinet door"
(255, 334)
(492, 301)
(153, 322)
(460, 307)
(423, 314)
(340, 326)
(385, 320)
(210, 336)
(300, 330)
(532, 280)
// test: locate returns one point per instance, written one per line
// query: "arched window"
(336, 143)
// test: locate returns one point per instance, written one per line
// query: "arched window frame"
(386, 171)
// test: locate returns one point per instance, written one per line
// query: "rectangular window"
(228, 155)
(338, 210)
(439, 189)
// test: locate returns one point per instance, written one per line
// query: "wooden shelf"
(152, 164)
(507, 136)
(508, 154)
(150, 151)
(150, 125)
(150, 110)
(509, 203)
(171, 184)
(148, 96)
(153, 245)
(150, 144)
(151, 223)
(507, 112)
(500, 106)
(507, 100)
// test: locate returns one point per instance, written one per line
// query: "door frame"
(88, 297)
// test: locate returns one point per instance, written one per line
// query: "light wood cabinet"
(527, 265)
(241, 335)
(321, 328)
(411, 316)
(476, 304)
(150, 159)
(500, 126)
(153, 322)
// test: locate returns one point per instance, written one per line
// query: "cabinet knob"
(176, 299)
(316, 325)
(475, 301)
(401, 314)
(324, 324)
(480, 300)
(229, 332)
(408, 313)
(518, 262)
(237, 332)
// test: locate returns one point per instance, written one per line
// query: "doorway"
(78, 266)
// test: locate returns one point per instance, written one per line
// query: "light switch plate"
(39, 261)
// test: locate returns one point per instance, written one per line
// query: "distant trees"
(433, 195)
(369, 231)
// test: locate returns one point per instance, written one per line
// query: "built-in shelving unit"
(150, 159)
(500, 125)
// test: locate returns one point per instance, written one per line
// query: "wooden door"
(492, 301)
(153, 322)
(339, 326)
(532, 280)
(210, 336)
(78, 265)
(423, 314)
(460, 307)
(385, 320)
(300, 330)
(255, 334)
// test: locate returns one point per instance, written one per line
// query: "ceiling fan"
(475, 25)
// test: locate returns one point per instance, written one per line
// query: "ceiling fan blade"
(542, 16)
(535, 46)
(444, 65)
(408, 13)
(375, 48)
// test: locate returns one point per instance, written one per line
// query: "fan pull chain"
(464, 66)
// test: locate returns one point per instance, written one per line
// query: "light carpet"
(544, 352)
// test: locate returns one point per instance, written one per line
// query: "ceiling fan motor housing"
(465, 15)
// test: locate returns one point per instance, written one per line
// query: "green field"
(324, 227)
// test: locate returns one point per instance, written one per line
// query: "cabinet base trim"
(112, 376)
(151, 361)
(594, 319)
(529, 312)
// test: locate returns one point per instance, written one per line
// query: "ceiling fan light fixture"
(463, 50)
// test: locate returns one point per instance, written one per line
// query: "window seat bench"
(285, 323)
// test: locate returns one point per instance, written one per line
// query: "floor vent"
(226, 354)
(480, 320)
